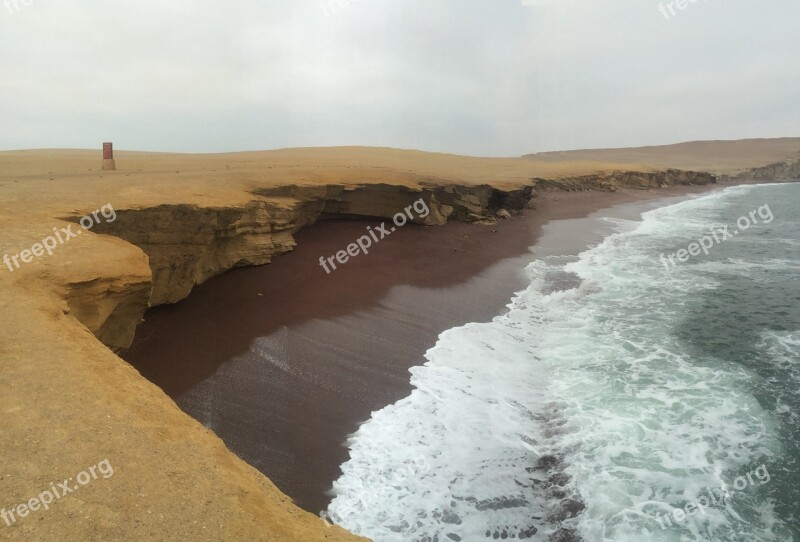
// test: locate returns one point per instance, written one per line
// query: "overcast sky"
(480, 77)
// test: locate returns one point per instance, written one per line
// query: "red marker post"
(108, 157)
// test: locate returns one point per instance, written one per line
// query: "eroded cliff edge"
(188, 244)
(69, 402)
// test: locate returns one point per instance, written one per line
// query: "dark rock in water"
(532, 483)
(561, 479)
(566, 509)
(556, 493)
(451, 518)
(527, 533)
(549, 461)
(399, 528)
(499, 503)
(564, 535)
(454, 537)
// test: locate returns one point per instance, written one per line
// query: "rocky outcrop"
(111, 307)
(789, 169)
(189, 244)
(460, 202)
(616, 180)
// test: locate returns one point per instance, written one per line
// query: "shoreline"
(292, 360)
(183, 219)
(450, 419)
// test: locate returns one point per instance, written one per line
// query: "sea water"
(619, 398)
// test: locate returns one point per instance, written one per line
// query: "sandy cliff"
(187, 244)
(69, 402)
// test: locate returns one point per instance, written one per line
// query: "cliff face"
(789, 169)
(188, 244)
(628, 179)
(111, 307)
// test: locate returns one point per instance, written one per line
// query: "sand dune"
(726, 157)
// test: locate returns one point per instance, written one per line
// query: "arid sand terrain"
(69, 402)
(720, 157)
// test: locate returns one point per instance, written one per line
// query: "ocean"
(645, 389)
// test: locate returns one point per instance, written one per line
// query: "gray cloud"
(484, 77)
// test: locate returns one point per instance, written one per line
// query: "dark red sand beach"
(284, 361)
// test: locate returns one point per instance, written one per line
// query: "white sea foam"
(579, 396)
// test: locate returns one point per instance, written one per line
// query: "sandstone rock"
(188, 244)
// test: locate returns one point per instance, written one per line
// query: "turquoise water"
(624, 396)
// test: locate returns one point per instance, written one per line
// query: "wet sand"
(284, 361)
